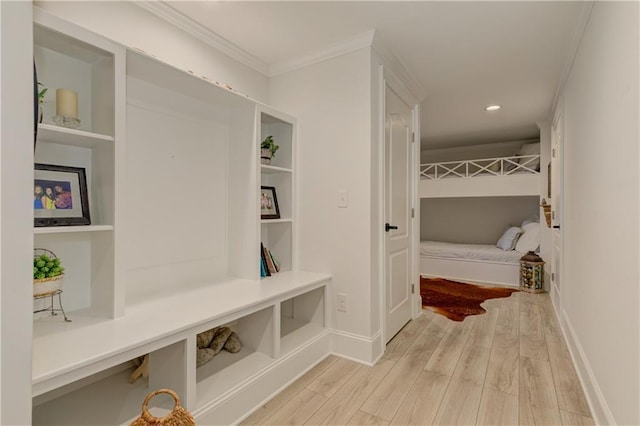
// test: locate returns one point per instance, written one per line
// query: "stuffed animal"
(211, 342)
(142, 362)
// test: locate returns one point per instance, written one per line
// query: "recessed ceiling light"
(492, 107)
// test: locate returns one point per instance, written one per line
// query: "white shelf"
(71, 229)
(296, 332)
(73, 137)
(225, 371)
(267, 221)
(61, 354)
(269, 170)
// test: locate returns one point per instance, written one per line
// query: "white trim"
(598, 405)
(179, 20)
(362, 349)
(346, 46)
(409, 89)
(583, 19)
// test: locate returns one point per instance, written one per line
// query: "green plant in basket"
(46, 267)
(269, 144)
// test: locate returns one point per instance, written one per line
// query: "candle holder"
(69, 122)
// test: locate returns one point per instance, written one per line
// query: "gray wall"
(480, 220)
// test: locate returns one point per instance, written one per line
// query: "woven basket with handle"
(179, 416)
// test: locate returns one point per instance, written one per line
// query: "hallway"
(508, 366)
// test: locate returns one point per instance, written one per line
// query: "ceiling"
(461, 55)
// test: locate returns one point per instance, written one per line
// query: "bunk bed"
(486, 177)
(517, 175)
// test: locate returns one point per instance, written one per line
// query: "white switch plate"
(343, 198)
(342, 302)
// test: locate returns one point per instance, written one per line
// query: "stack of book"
(268, 264)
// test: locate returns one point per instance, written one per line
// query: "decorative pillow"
(530, 239)
(509, 238)
(530, 149)
(528, 220)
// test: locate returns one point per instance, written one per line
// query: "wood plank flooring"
(509, 366)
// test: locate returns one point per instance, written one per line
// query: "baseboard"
(362, 349)
(467, 280)
(597, 404)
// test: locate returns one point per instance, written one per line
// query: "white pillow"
(530, 239)
(533, 219)
(530, 149)
(509, 238)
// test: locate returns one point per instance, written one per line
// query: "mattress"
(481, 252)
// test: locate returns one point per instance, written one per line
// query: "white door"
(556, 210)
(397, 213)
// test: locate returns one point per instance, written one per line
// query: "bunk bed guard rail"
(502, 166)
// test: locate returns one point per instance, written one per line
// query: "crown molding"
(396, 68)
(338, 49)
(583, 19)
(177, 19)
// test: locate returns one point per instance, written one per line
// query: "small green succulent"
(46, 267)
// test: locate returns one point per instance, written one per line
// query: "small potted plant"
(47, 272)
(268, 150)
(41, 95)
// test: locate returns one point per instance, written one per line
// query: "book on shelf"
(276, 264)
(268, 263)
(263, 272)
(263, 260)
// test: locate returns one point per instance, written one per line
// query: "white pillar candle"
(66, 103)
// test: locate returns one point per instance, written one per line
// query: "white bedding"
(482, 252)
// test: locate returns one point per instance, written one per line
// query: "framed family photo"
(269, 203)
(60, 196)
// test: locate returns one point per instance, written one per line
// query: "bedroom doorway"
(397, 212)
(557, 139)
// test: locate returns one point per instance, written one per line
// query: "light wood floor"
(509, 366)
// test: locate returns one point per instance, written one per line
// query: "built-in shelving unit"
(70, 58)
(278, 234)
(173, 245)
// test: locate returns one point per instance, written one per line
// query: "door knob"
(388, 227)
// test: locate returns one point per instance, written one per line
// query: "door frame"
(388, 78)
(557, 293)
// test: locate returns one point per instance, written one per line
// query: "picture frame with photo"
(269, 208)
(60, 196)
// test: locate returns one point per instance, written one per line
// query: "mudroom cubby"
(108, 397)
(301, 319)
(277, 236)
(174, 175)
(226, 370)
(281, 128)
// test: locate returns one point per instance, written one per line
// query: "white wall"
(472, 152)
(16, 214)
(600, 283)
(332, 102)
(135, 27)
(473, 220)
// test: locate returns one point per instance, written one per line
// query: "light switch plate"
(343, 198)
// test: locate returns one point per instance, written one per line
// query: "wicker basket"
(46, 286)
(179, 416)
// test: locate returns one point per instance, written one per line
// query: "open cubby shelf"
(173, 174)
